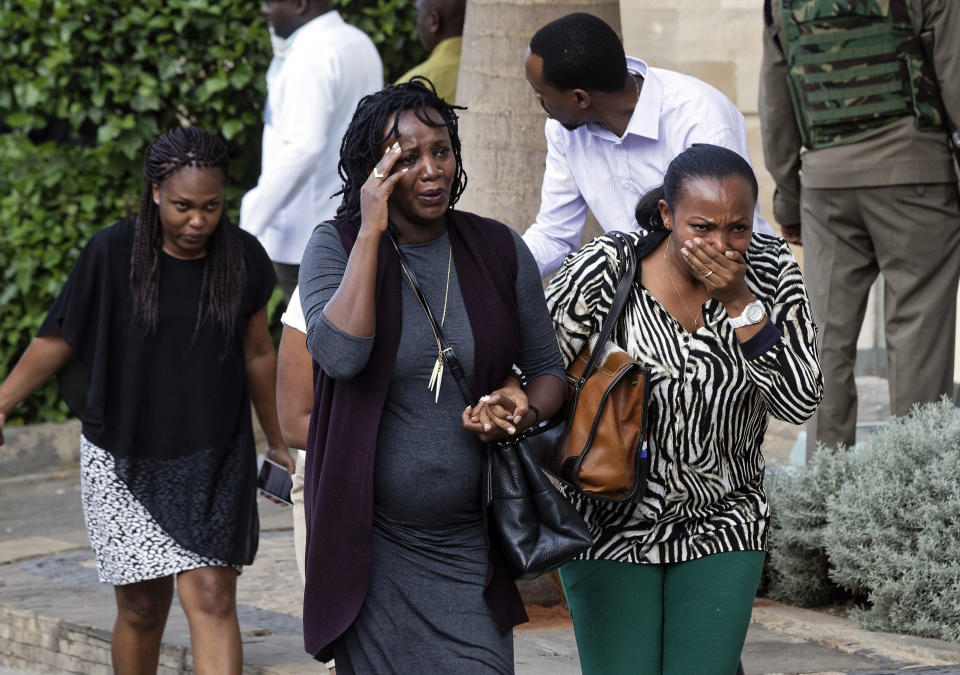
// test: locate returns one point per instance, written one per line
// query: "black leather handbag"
(537, 529)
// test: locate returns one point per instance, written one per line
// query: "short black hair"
(361, 147)
(581, 51)
(700, 160)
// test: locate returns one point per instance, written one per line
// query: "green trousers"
(686, 618)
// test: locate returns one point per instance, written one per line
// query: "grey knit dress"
(424, 610)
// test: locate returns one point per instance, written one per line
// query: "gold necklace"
(695, 319)
(436, 376)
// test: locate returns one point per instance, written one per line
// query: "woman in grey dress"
(400, 573)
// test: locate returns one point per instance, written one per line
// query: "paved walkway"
(56, 618)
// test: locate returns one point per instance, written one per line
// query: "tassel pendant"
(436, 377)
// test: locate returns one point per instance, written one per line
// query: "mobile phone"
(273, 479)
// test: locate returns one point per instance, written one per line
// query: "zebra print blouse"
(710, 398)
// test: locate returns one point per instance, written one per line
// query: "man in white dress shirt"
(615, 124)
(321, 68)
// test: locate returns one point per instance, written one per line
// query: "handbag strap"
(446, 350)
(628, 266)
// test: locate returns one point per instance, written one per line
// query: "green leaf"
(19, 119)
(108, 131)
(231, 128)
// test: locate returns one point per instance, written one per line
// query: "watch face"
(755, 313)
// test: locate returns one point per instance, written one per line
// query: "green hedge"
(880, 523)
(86, 85)
(392, 25)
(52, 200)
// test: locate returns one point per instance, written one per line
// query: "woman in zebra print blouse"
(721, 316)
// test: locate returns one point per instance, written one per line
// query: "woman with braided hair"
(160, 340)
(401, 573)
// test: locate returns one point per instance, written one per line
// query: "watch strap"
(744, 318)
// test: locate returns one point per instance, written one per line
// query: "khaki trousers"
(911, 235)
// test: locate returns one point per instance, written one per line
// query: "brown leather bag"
(604, 452)
(597, 443)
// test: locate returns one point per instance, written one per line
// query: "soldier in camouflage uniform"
(854, 101)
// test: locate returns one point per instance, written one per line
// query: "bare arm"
(545, 393)
(261, 365)
(294, 387)
(42, 358)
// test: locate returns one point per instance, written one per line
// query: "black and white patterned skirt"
(128, 543)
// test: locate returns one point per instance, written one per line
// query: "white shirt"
(591, 167)
(293, 316)
(313, 85)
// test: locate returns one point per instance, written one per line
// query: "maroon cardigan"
(342, 438)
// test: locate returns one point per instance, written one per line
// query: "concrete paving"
(55, 617)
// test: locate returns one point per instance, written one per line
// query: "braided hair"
(362, 144)
(224, 269)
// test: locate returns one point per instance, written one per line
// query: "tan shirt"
(441, 68)
(897, 154)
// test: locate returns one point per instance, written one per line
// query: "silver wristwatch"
(752, 314)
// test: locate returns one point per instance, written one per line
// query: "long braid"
(224, 269)
(361, 147)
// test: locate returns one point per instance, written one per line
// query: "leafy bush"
(86, 85)
(880, 523)
(798, 567)
(392, 25)
(894, 526)
(52, 200)
(118, 74)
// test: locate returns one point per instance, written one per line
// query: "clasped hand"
(497, 415)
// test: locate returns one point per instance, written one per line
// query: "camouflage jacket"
(855, 65)
(899, 153)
